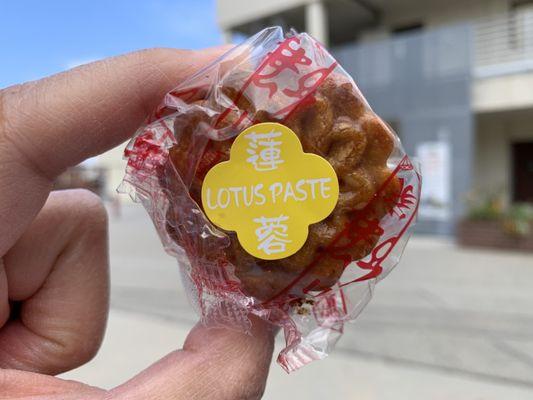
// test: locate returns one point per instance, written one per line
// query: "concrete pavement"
(447, 323)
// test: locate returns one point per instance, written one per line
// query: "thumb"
(215, 363)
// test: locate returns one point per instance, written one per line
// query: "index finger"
(51, 124)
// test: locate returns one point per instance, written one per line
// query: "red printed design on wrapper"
(285, 79)
(149, 150)
(291, 60)
(288, 55)
(362, 227)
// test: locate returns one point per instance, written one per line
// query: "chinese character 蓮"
(264, 151)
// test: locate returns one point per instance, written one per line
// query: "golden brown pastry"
(335, 124)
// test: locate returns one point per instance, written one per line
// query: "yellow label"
(270, 191)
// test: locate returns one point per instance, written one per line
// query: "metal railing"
(503, 44)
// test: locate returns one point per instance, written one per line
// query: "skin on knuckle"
(4, 123)
(252, 392)
(243, 392)
(73, 347)
(89, 208)
(247, 383)
(3, 378)
(13, 142)
(2, 113)
(77, 344)
(87, 351)
(70, 353)
(246, 363)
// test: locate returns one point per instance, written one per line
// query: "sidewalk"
(448, 323)
(134, 341)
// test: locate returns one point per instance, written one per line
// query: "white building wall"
(114, 165)
(492, 158)
(235, 12)
(507, 92)
(434, 14)
(448, 12)
(495, 134)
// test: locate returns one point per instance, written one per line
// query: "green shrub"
(485, 207)
(518, 219)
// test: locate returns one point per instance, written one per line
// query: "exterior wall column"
(316, 21)
(227, 36)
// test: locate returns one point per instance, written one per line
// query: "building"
(453, 77)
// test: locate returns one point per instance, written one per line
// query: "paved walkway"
(448, 323)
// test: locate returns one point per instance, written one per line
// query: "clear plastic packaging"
(293, 80)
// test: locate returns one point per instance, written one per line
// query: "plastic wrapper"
(290, 79)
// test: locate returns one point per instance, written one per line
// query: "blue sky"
(39, 38)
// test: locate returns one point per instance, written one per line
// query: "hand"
(54, 283)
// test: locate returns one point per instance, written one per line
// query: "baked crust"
(336, 124)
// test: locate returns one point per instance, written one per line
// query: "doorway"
(522, 153)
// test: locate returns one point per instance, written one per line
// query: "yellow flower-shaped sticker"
(270, 191)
